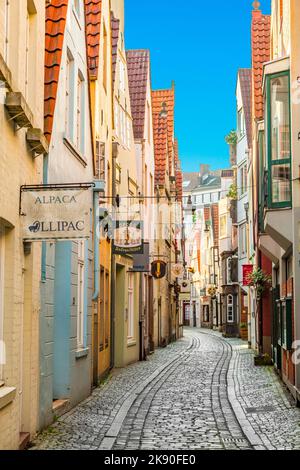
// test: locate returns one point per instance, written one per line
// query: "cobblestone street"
(202, 392)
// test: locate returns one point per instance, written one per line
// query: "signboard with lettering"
(247, 270)
(56, 214)
(141, 262)
(128, 237)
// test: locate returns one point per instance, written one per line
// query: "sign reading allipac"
(56, 214)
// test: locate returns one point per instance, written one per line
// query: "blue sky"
(200, 45)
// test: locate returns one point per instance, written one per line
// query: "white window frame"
(230, 312)
(79, 111)
(121, 76)
(2, 290)
(130, 307)
(80, 293)
(69, 95)
(243, 240)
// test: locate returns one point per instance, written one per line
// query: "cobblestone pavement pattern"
(202, 392)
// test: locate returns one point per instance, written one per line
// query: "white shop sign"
(56, 214)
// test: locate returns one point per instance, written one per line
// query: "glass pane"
(280, 118)
(281, 183)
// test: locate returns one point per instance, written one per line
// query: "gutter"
(99, 188)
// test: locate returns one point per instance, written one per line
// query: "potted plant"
(244, 331)
(232, 139)
(259, 281)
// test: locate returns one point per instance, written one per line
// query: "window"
(243, 180)
(279, 140)
(241, 123)
(130, 306)
(284, 323)
(230, 316)
(223, 226)
(80, 294)
(69, 96)
(242, 240)
(79, 113)
(122, 76)
(100, 160)
(128, 132)
(2, 345)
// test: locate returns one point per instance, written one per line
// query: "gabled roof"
(56, 17)
(115, 31)
(190, 181)
(160, 134)
(261, 45)
(138, 64)
(245, 76)
(93, 12)
(159, 97)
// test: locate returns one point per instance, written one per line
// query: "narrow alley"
(202, 392)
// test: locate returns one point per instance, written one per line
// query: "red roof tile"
(261, 44)
(93, 11)
(138, 64)
(159, 97)
(56, 15)
(245, 76)
(179, 174)
(160, 133)
(115, 31)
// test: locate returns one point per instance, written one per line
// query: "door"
(276, 349)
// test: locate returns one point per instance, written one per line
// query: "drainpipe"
(98, 188)
(115, 151)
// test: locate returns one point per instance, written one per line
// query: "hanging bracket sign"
(56, 213)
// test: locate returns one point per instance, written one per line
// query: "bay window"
(230, 316)
(279, 140)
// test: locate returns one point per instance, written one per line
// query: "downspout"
(115, 150)
(141, 293)
(99, 188)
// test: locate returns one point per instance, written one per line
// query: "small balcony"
(37, 141)
(18, 110)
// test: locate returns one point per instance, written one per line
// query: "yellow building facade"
(22, 24)
(99, 43)
(125, 282)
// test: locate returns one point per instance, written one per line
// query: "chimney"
(204, 169)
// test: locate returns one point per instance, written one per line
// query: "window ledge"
(82, 353)
(7, 395)
(75, 151)
(131, 343)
